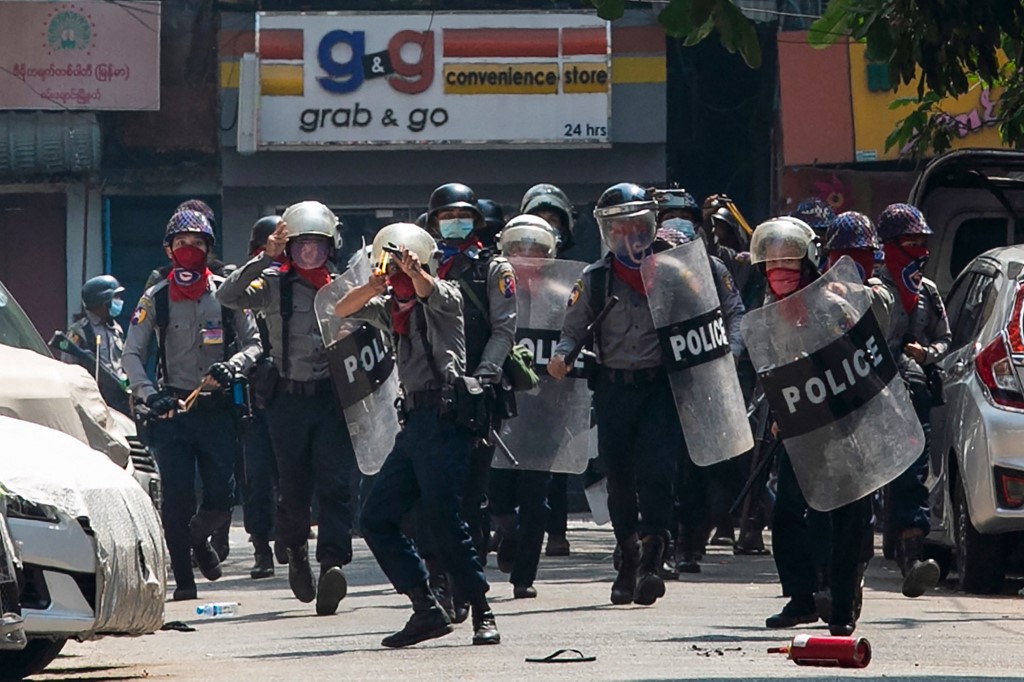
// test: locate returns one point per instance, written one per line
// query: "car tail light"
(1014, 333)
(1010, 488)
(995, 370)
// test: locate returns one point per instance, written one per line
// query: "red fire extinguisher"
(832, 652)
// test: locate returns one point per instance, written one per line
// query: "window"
(976, 306)
(974, 237)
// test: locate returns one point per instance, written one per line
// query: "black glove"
(223, 373)
(161, 403)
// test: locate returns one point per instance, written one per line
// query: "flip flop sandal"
(560, 656)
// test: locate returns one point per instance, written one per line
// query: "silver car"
(977, 460)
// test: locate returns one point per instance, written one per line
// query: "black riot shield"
(842, 409)
(688, 316)
(551, 431)
(363, 372)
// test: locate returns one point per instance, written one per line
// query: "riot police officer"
(97, 332)
(488, 286)
(196, 341)
(639, 434)
(785, 248)
(518, 498)
(494, 220)
(550, 203)
(696, 487)
(918, 338)
(309, 436)
(431, 456)
(817, 213)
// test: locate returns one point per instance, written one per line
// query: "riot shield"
(362, 370)
(688, 316)
(551, 431)
(842, 409)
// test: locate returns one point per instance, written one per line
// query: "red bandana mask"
(188, 279)
(403, 298)
(783, 282)
(318, 278)
(905, 264)
(630, 276)
(448, 254)
(865, 260)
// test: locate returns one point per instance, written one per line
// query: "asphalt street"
(708, 627)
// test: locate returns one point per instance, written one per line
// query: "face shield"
(527, 241)
(628, 230)
(787, 240)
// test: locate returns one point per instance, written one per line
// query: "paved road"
(707, 627)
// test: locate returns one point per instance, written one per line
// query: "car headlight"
(20, 508)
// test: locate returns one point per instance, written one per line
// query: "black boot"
(200, 527)
(919, 576)
(330, 589)
(688, 563)
(649, 585)
(796, 612)
(263, 566)
(485, 630)
(428, 620)
(509, 547)
(624, 586)
(219, 539)
(440, 586)
(300, 574)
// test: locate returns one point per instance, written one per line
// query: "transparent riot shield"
(842, 409)
(551, 431)
(695, 343)
(362, 370)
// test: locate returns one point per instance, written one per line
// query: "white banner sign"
(425, 79)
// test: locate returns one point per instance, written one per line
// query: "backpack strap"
(600, 287)
(162, 301)
(287, 282)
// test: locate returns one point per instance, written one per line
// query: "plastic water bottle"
(218, 609)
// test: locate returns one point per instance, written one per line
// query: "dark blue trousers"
(204, 437)
(520, 497)
(314, 455)
(260, 478)
(908, 494)
(639, 440)
(428, 463)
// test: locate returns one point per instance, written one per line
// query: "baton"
(588, 336)
(739, 217)
(194, 395)
(496, 440)
(99, 341)
(762, 466)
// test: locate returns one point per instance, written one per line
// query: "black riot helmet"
(547, 198)
(494, 221)
(626, 215)
(261, 231)
(453, 195)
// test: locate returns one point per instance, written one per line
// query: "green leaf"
(738, 33)
(609, 10)
(832, 25)
(675, 19)
(701, 10)
(699, 33)
(880, 43)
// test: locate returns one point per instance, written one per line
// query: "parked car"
(12, 625)
(89, 540)
(977, 462)
(36, 387)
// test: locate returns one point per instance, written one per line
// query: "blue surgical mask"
(681, 225)
(455, 228)
(116, 306)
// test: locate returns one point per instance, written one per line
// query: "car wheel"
(36, 655)
(979, 558)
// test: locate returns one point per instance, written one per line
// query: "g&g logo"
(342, 56)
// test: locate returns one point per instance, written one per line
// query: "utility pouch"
(518, 369)
(471, 411)
(263, 383)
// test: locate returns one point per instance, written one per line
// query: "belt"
(419, 400)
(203, 400)
(631, 377)
(309, 389)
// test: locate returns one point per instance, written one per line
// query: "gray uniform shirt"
(83, 333)
(442, 313)
(194, 338)
(502, 313)
(732, 305)
(628, 339)
(926, 323)
(257, 286)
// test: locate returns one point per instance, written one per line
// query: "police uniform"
(928, 325)
(310, 439)
(195, 337)
(639, 435)
(83, 332)
(430, 459)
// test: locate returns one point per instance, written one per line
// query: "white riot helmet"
(783, 238)
(312, 218)
(407, 235)
(528, 236)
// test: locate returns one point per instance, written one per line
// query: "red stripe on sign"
(500, 42)
(638, 40)
(584, 41)
(281, 44)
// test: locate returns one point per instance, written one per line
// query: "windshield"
(15, 327)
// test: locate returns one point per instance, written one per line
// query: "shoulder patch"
(577, 291)
(256, 284)
(139, 316)
(507, 285)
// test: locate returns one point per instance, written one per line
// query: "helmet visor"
(627, 235)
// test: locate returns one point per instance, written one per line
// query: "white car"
(89, 541)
